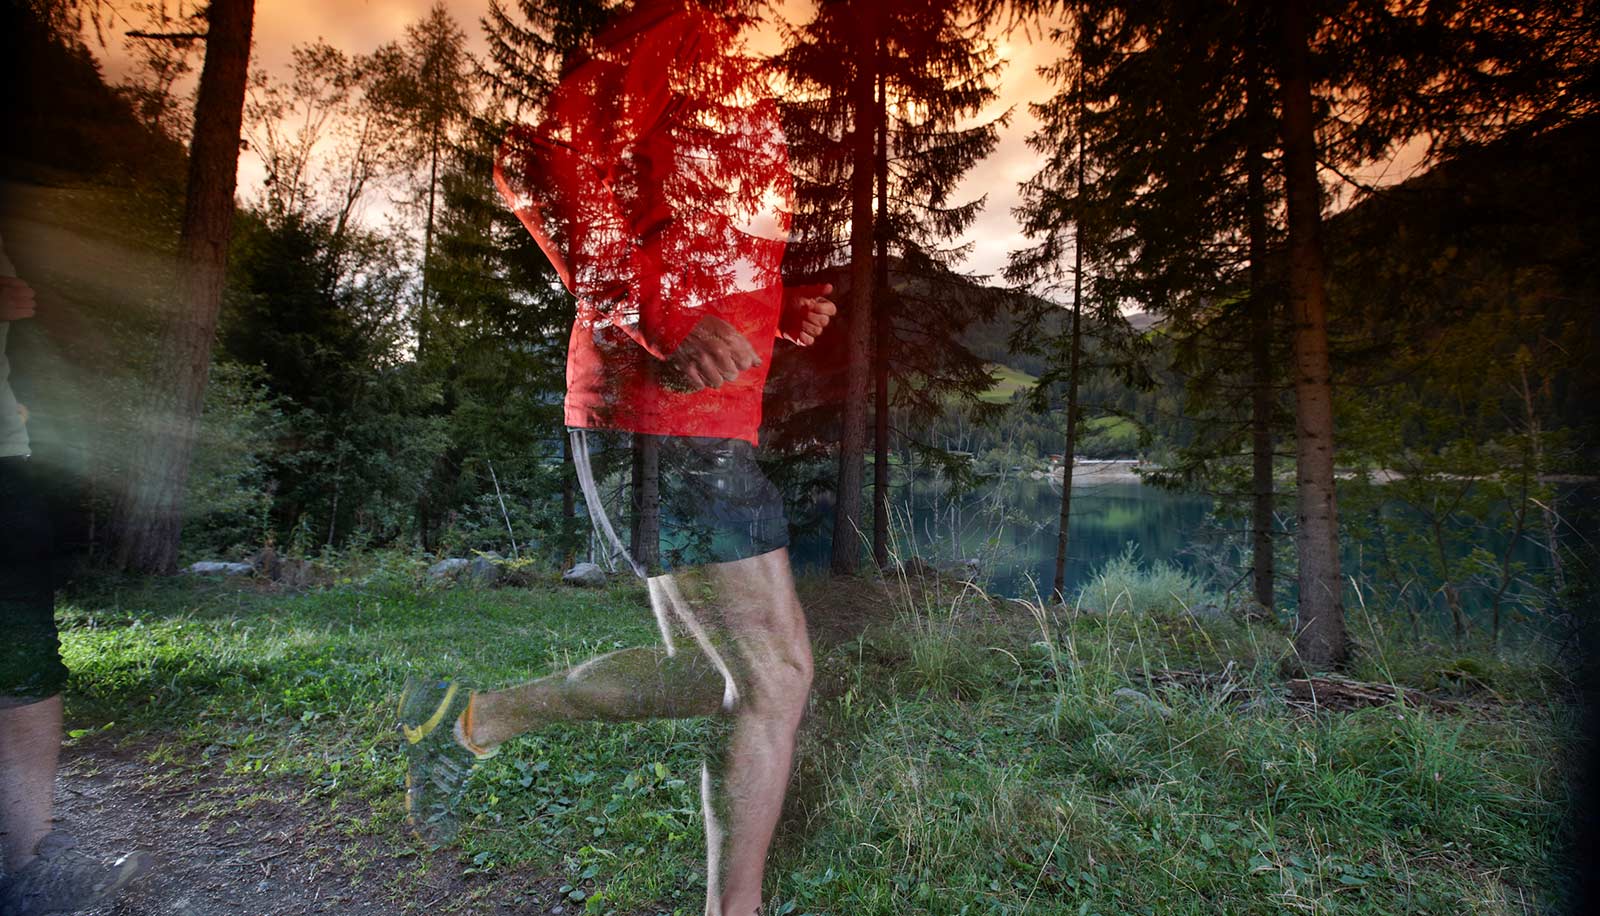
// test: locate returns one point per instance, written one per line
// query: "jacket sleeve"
(589, 184)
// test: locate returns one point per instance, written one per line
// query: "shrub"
(1123, 584)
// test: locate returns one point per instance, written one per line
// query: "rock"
(267, 563)
(964, 570)
(918, 568)
(484, 569)
(585, 574)
(292, 572)
(448, 568)
(1127, 696)
(295, 573)
(1206, 611)
(211, 567)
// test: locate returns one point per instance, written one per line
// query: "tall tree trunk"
(1069, 453)
(1558, 576)
(646, 535)
(1263, 502)
(1320, 640)
(880, 332)
(151, 510)
(424, 320)
(858, 313)
(569, 497)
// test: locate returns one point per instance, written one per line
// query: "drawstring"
(597, 509)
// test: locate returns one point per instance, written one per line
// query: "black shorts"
(30, 648)
(717, 506)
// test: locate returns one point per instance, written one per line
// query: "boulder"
(448, 568)
(484, 569)
(918, 568)
(585, 574)
(964, 570)
(215, 568)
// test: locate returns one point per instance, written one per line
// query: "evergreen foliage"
(903, 82)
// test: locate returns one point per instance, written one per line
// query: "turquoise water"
(1010, 529)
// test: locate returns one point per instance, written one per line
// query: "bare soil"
(229, 845)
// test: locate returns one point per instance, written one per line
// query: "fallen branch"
(1332, 691)
(1343, 693)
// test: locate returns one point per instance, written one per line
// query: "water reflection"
(1009, 527)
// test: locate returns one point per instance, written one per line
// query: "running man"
(657, 183)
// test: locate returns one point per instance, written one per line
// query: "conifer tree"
(429, 92)
(1186, 104)
(504, 328)
(881, 96)
(151, 510)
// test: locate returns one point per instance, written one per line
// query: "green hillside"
(1008, 383)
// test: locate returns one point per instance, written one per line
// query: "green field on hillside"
(1009, 381)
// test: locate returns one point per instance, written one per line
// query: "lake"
(1010, 528)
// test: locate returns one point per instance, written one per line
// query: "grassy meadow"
(962, 756)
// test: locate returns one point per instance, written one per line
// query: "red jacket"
(658, 184)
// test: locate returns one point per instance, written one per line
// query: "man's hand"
(714, 353)
(806, 311)
(16, 299)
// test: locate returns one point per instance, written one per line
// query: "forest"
(1228, 546)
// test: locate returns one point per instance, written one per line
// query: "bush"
(228, 498)
(1122, 584)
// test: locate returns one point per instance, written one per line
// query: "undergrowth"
(963, 755)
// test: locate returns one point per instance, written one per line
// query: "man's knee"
(780, 679)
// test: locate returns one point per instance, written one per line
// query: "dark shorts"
(30, 648)
(716, 504)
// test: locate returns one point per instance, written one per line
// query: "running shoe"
(438, 760)
(64, 879)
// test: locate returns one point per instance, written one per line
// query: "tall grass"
(1056, 789)
(963, 755)
(1124, 584)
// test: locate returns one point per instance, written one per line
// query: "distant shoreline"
(1095, 470)
(1087, 471)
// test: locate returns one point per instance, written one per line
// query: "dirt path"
(225, 846)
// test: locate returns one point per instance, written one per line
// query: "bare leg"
(30, 748)
(629, 684)
(748, 655)
(743, 790)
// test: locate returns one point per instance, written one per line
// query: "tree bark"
(646, 546)
(569, 496)
(1069, 452)
(1320, 636)
(846, 548)
(1263, 501)
(424, 320)
(151, 510)
(880, 335)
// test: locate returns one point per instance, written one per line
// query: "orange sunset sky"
(359, 26)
